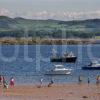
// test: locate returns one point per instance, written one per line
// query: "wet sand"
(55, 92)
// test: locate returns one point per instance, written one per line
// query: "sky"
(51, 9)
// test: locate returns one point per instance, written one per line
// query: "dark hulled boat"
(92, 66)
(66, 57)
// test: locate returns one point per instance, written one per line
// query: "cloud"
(61, 15)
(4, 11)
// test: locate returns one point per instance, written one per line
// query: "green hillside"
(20, 27)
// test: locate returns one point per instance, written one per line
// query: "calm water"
(28, 63)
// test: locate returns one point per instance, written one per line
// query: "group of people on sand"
(11, 82)
(80, 79)
(4, 83)
(49, 84)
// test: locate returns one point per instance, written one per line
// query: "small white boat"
(58, 70)
(94, 65)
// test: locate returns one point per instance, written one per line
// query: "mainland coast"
(46, 41)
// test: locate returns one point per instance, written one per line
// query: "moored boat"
(66, 57)
(92, 66)
(58, 70)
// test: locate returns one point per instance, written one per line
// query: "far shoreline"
(47, 41)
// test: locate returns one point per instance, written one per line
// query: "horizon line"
(49, 18)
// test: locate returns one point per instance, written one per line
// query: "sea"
(28, 63)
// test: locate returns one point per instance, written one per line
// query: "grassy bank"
(44, 41)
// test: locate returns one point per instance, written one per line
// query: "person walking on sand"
(12, 82)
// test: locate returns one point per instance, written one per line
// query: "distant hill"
(20, 27)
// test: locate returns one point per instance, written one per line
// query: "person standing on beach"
(12, 82)
(88, 80)
(97, 79)
(0, 80)
(5, 85)
(3, 80)
(80, 79)
(40, 83)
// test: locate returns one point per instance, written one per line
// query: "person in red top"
(12, 81)
(0, 79)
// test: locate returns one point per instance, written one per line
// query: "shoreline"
(55, 92)
(47, 41)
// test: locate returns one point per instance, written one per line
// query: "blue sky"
(51, 9)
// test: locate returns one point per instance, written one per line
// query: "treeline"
(50, 34)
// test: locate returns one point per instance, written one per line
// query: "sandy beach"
(55, 92)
